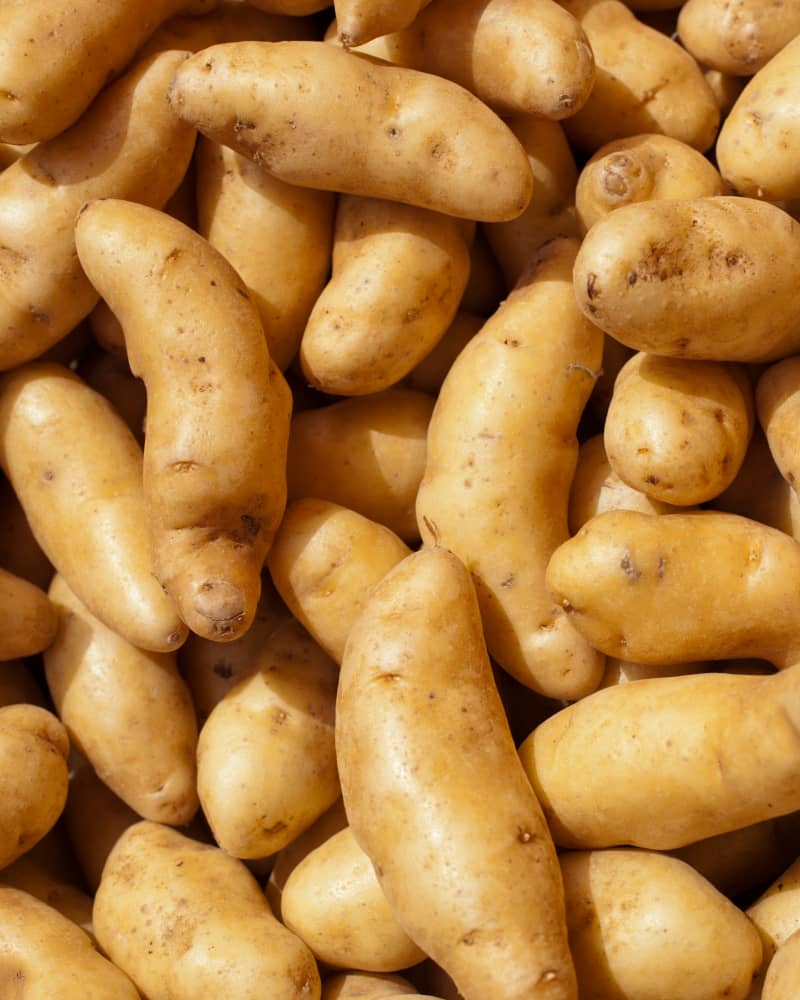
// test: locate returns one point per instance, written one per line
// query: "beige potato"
(127, 711)
(726, 89)
(209, 931)
(778, 406)
(704, 278)
(645, 82)
(421, 737)
(29, 619)
(46, 955)
(361, 20)
(365, 986)
(776, 914)
(128, 144)
(399, 272)
(77, 471)
(30, 876)
(428, 374)
(406, 136)
(783, 973)
(500, 464)
(652, 764)
(642, 168)
(218, 409)
(645, 926)
(266, 763)
(252, 218)
(366, 453)
(333, 901)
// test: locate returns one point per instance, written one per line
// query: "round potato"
(783, 974)
(29, 619)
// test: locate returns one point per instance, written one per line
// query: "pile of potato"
(400, 437)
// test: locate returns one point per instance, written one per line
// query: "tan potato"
(428, 374)
(107, 331)
(251, 218)
(500, 463)
(128, 144)
(46, 955)
(20, 553)
(29, 619)
(29, 875)
(783, 973)
(217, 409)
(652, 763)
(127, 711)
(630, 584)
(365, 986)
(276, 102)
(19, 686)
(645, 925)
(726, 89)
(704, 278)
(399, 272)
(77, 470)
(366, 454)
(645, 82)
(209, 930)
(333, 901)
(642, 168)
(266, 764)
(361, 20)
(417, 653)
(778, 405)
(776, 914)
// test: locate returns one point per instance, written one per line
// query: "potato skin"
(407, 136)
(778, 405)
(29, 619)
(362, 20)
(417, 653)
(780, 982)
(365, 986)
(704, 278)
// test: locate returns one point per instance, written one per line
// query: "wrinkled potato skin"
(417, 652)
(396, 140)
(783, 973)
(671, 734)
(778, 405)
(29, 619)
(126, 710)
(176, 953)
(500, 463)
(631, 915)
(46, 955)
(693, 278)
(702, 585)
(218, 409)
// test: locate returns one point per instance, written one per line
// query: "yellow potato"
(652, 764)
(280, 103)
(778, 405)
(208, 930)
(29, 619)
(704, 278)
(421, 737)
(77, 471)
(217, 408)
(361, 20)
(365, 986)
(29, 875)
(500, 463)
(127, 711)
(776, 914)
(783, 973)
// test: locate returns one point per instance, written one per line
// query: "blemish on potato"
(629, 568)
(591, 286)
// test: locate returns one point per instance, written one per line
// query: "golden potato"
(783, 974)
(361, 20)
(29, 619)
(778, 405)
(29, 875)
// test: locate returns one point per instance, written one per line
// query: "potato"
(642, 168)
(333, 901)
(29, 619)
(652, 763)
(783, 973)
(366, 454)
(127, 711)
(208, 930)
(251, 218)
(726, 89)
(645, 82)
(77, 471)
(217, 409)
(417, 653)
(644, 926)
(278, 103)
(129, 145)
(361, 20)
(624, 671)
(30, 876)
(292, 8)
(499, 467)
(428, 374)
(365, 986)
(705, 278)
(399, 272)
(266, 764)
(778, 405)
(776, 914)
(45, 955)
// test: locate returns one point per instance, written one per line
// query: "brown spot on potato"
(509, 581)
(243, 125)
(174, 254)
(591, 286)
(48, 475)
(632, 278)
(181, 467)
(524, 836)
(652, 479)
(629, 568)
(661, 566)
(252, 525)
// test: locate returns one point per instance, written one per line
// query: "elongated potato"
(217, 408)
(77, 470)
(126, 710)
(776, 914)
(29, 619)
(421, 737)
(499, 467)
(196, 897)
(704, 278)
(652, 763)
(418, 139)
(127, 145)
(361, 20)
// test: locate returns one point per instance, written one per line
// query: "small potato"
(366, 454)
(29, 619)
(642, 168)
(705, 278)
(361, 20)
(279, 103)
(776, 914)
(726, 89)
(32, 877)
(365, 986)
(644, 926)
(783, 974)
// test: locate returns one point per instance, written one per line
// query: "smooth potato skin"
(29, 619)
(407, 136)
(421, 737)
(365, 986)
(783, 973)
(704, 278)
(362, 20)
(778, 406)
